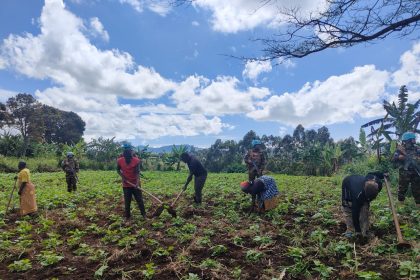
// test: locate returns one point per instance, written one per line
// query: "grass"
(83, 234)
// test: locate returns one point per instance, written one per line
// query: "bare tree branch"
(344, 23)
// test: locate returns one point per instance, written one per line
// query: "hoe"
(169, 208)
(10, 198)
(162, 205)
(402, 244)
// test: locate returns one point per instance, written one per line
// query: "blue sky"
(142, 71)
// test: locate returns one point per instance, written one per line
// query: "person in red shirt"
(128, 167)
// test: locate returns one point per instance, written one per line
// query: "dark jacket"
(195, 167)
(353, 194)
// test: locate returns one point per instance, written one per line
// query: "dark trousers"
(128, 193)
(71, 182)
(407, 177)
(198, 187)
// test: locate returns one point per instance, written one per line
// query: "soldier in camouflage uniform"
(255, 160)
(408, 156)
(71, 167)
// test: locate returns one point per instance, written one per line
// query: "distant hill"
(167, 149)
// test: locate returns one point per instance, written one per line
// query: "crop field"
(83, 235)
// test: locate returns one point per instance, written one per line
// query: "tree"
(349, 150)
(398, 119)
(61, 126)
(176, 153)
(24, 114)
(343, 24)
(337, 24)
(103, 149)
(246, 141)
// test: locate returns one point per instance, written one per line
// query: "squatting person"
(264, 193)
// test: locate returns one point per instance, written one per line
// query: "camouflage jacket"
(70, 166)
(411, 154)
(256, 157)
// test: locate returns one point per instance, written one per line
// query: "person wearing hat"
(255, 160)
(264, 192)
(128, 167)
(356, 194)
(71, 167)
(200, 175)
(26, 191)
(407, 156)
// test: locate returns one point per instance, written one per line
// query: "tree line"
(44, 131)
(28, 124)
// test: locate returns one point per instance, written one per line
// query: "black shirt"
(196, 168)
(353, 194)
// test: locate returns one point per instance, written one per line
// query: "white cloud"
(136, 4)
(160, 7)
(218, 97)
(238, 15)
(286, 63)
(104, 116)
(6, 94)
(97, 29)
(62, 53)
(337, 99)
(90, 81)
(409, 73)
(254, 68)
(195, 23)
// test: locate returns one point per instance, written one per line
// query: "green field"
(82, 235)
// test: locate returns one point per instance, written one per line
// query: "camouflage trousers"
(71, 182)
(363, 218)
(405, 178)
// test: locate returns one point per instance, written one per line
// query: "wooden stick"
(401, 242)
(10, 198)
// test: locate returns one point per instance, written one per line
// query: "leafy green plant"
(218, 250)
(323, 270)
(100, 271)
(263, 240)
(21, 265)
(149, 271)
(209, 264)
(296, 253)
(369, 275)
(409, 269)
(47, 258)
(253, 255)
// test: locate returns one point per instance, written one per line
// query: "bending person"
(200, 175)
(356, 194)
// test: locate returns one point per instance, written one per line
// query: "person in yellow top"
(26, 190)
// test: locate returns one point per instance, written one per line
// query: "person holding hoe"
(26, 191)
(356, 194)
(128, 167)
(200, 175)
